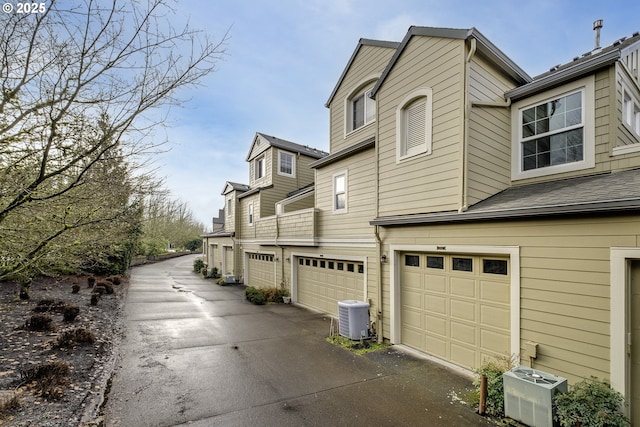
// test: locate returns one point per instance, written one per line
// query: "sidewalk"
(197, 353)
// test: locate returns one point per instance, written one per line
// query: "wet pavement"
(198, 354)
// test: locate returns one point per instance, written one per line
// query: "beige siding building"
(479, 211)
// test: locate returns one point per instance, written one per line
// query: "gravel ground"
(46, 380)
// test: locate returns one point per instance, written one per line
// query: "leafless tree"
(80, 85)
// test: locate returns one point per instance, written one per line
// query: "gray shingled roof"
(581, 65)
(597, 194)
(292, 146)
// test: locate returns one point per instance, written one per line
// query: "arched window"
(413, 124)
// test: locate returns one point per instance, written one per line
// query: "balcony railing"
(298, 227)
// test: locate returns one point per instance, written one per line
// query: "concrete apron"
(197, 353)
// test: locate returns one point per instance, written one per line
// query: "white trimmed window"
(230, 206)
(259, 167)
(631, 112)
(250, 213)
(286, 164)
(361, 109)
(413, 124)
(554, 131)
(340, 192)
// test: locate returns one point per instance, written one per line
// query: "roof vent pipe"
(597, 25)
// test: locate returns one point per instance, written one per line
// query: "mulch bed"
(56, 377)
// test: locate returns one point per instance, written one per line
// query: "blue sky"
(284, 58)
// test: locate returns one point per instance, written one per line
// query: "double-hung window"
(259, 167)
(554, 131)
(631, 112)
(340, 192)
(250, 208)
(286, 164)
(362, 109)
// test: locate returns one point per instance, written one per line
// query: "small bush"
(91, 281)
(198, 265)
(75, 288)
(116, 280)
(49, 378)
(70, 313)
(50, 305)
(100, 288)
(40, 322)
(590, 402)
(221, 281)
(493, 370)
(24, 293)
(255, 295)
(260, 296)
(74, 337)
(94, 299)
(9, 404)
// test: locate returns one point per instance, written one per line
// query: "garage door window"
(412, 260)
(494, 266)
(340, 266)
(462, 264)
(435, 262)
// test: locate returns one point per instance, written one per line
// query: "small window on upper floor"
(631, 112)
(361, 109)
(286, 164)
(413, 125)
(259, 167)
(554, 131)
(340, 192)
(250, 213)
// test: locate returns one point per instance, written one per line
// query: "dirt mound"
(51, 373)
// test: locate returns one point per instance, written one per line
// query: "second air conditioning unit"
(528, 395)
(353, 317)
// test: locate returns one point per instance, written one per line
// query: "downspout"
(377, 234)
(465, 137)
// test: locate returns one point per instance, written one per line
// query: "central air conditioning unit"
(528, 395)
(229, 278)
(353, 319)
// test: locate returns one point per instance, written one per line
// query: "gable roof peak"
(285, 145)
(484, 46)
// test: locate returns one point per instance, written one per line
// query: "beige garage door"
(456, 307)
(262, 273)
(323, 282)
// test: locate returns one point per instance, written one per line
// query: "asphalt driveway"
(198, 354)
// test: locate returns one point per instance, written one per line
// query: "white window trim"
(344, 173)
(363, 86)
(587, 86)
(251, 214)
(631, 111)
(293, 164)
(260, 159)
(424, 149)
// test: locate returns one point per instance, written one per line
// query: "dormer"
(273, 160)
(231, 192)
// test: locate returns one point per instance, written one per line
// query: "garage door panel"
(436, 283)
(414, 319)
(466, 314)
(463, 355)
(464, 332)
(494, 291)
(435, 304)
(463, 310)
(493, 341)
(463, 287)
(412, 299)
(437, 346)
(436, 325)
(497, 317)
